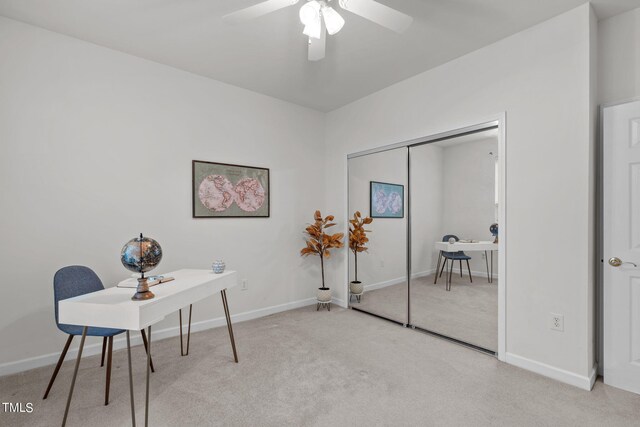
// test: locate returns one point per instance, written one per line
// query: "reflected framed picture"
(386, 200)
(221, 190)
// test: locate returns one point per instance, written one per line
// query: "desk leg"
(144, 341)
(435, 280)
(75, 375)
(133, 410)
(146, 404)
(491, 275)
(223, 293)
(182, 353)
(486, 260)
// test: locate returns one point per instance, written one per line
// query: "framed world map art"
(386, 200)
(221, 190)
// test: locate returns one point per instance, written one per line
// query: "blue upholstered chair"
(453, 257)
(70, 282)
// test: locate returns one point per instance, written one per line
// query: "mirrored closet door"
(453, 202)
(431, 258)
(377, 189)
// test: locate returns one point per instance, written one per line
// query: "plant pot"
(356, 287)
(323, 295)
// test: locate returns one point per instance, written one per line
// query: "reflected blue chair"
(70, 282)
(453, 257)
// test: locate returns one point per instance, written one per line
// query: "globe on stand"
(494, 231)
(140, 255)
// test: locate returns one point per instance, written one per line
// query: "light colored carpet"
(308, 368)
(468, 312)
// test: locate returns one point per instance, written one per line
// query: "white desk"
(466, 247)
(114, 308)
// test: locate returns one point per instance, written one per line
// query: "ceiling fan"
(319, 18)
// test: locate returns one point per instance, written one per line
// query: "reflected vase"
(356, 287)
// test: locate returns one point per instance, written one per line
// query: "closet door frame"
(498, 121)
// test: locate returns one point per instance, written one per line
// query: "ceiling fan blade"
(378, 13)
(317, 46)
(257, 10)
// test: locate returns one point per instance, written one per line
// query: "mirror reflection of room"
(377, 189)
(454, 210)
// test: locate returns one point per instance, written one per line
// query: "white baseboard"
(416, 275)
(397, 280)
(593, 375)
(380, 285)
(583, 382)
(120, 341)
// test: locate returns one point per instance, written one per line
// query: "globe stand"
(142, 291)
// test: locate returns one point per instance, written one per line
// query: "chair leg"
(60, 360)
(146, 348)
(104, 348)
(435, 280)
(450, 271)
(446, 260)
(108, 379)
(469, 268)
(460, 268)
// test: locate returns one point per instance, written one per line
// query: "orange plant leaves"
(318, 242)
(357, 234)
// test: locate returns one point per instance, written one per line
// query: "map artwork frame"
(386, 200)
(223, 190)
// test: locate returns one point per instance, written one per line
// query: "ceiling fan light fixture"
(313, 29)
(310, 12)
(332, 20)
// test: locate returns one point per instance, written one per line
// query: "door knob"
(617, 262)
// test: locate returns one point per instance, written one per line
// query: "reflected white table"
(114, 308)
(486, 246)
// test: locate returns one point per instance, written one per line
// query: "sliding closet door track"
(455, 341)
(428, 332)
(378, 316)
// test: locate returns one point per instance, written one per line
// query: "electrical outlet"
(557, 322)
(245, 284)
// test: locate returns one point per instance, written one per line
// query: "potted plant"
(357, 243)
(319, 243)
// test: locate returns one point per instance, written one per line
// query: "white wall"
(96, 147)
(541, 78)
(619, 57)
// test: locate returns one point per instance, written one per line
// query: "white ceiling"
(269, 55)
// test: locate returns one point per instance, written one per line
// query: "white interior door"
(621, 240)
